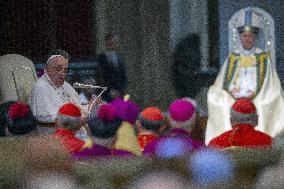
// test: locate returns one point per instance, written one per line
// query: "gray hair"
(68, 122)
(187, 125)
(56, 53)
(237, 118)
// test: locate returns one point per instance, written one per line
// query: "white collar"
(50, 81)
(252, 51)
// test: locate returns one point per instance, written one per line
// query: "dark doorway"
(213, 30)
(33, 27)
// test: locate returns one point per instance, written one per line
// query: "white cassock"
(46, 99)
(269, 99)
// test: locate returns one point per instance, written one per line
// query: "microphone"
(86, 86)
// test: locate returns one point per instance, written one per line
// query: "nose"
(62, 73)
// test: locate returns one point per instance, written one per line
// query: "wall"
(190, 16)
(143, 26)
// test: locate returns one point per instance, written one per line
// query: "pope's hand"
(83, 120)
(250, 94)
(235, 92)
(95, 102)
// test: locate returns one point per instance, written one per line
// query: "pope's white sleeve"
(40, 104)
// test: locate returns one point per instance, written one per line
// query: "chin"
(60, 83)
(248, 48)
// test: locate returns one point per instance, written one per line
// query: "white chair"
(17, 77)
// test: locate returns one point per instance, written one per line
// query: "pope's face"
(57, 70)
(247, 40)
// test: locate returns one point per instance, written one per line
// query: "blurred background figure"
(211, 168)
(169, 147)
(160, 179)
(112, 73)
(271, 177)
(278, 142)
(51, 180)
(47, 165)
(16, 119)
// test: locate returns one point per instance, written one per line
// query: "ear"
(7, 133)
(168, 121)
(233, 123)
(163, 128)
(256, 120)
(138, 125)
(47, 67)
(57, 124)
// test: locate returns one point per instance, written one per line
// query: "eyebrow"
(57, 67)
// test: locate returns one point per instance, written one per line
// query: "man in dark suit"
(111, 71)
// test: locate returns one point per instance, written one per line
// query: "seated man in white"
(51, 90)
(248, 72)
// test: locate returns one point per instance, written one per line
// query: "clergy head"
(127, 110)
(69, 117)
(56, 66)
(248, 39)
(104, 125)
(248, 31)
(182, 113)
(160, 178)
(151, 119)
(244, 111)
(17, 118)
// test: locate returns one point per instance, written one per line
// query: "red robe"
(242, 135)
(68, 139)
(144, 138)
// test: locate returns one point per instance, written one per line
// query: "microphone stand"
(87, 86)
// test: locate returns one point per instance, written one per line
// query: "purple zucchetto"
(126, 110)
(181, 110)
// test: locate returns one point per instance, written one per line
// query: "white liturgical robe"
(262, 79)
(245, 78)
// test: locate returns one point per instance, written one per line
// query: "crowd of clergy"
(117, 127)
(120, 128)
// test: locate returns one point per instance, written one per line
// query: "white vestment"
(46, 99)
(269, 102)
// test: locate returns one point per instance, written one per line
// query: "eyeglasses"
(58, 69)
